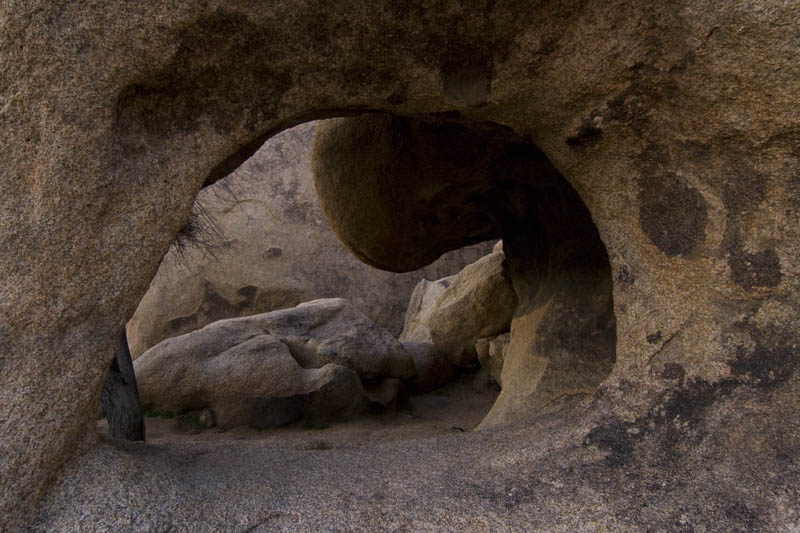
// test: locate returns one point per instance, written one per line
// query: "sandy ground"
(412, 471)
(458, 407)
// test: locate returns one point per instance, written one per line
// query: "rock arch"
(399, 192)
(114, 116)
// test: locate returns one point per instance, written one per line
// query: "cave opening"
(439, 186)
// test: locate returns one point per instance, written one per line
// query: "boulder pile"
(304, 363)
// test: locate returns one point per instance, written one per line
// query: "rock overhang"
(612, 93)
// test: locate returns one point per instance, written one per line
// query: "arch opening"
(401, 191)
(272, 250)
(388, 183)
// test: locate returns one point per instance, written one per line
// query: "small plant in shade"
(202, 231)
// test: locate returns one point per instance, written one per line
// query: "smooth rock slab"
(254, 382)
(272, 369)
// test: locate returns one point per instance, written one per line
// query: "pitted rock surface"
(115, 114)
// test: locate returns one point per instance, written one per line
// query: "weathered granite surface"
(675, 123)
(264, 245)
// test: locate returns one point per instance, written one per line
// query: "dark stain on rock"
(673, 371)
(677, 418)
(653, 338)
(673, 420)
(744, 188)
(625, 277)
(671, 214)
(615, 438)
(625, 107)
(770, 363)
(751, 270)
(683, 410)
(215, 307)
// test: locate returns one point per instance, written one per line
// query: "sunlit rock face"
(674, 124)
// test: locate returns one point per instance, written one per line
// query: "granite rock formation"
(670, 130)
(268, 370)
(477, 302)
(266, 248)
(552, 284)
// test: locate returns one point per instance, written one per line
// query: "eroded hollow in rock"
(401, 191)
(259, 244)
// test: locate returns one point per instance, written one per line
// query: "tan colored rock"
(553, 277)
(478, 302)
(420, 306)
(674, 122)
(270, 248)
(491, 351)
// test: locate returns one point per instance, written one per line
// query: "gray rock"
(432, 368)
(274, 368)
(334, 331)
(245, 379)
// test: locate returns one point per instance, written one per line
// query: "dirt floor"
(457, 407)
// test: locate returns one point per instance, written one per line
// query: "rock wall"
(553, 284)
(674, 122)
(269, 247)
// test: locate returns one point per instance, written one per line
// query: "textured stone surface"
(477, 302)
(491, 352)
(432, 369)
(553, 277)
(245, 377)
(675, 123)
(270, 248)
(275, 368)
(419, 309)
(316, 333)
(613, 475)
